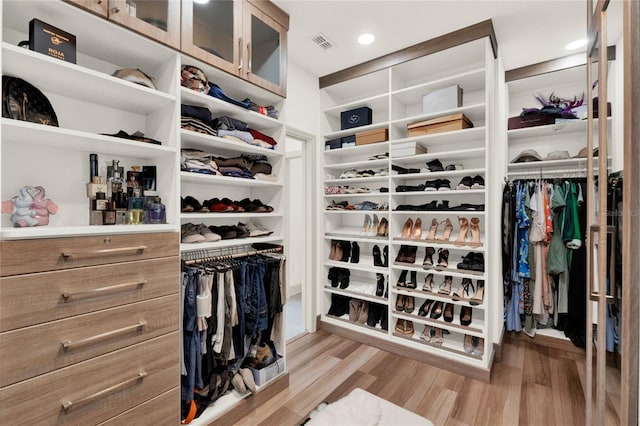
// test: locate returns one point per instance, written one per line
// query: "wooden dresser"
(89, 330)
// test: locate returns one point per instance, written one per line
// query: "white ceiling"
(527, 31)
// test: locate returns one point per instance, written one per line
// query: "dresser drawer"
(36, 298)
(32, 351)
(163, 410)
(96, 390)
(27, 256)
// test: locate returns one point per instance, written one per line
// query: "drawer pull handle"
(240, 53)
(103, 251)
(68, 344)
(68, 405)
(97, 291)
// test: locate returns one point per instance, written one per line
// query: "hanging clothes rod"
(228, 253)
(547, 173)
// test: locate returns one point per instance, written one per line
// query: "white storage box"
(406, 149)
(442, 100)
(267, 373)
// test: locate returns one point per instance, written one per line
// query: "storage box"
(52, 41)
(437, 125)
(372, 136)
(442, 100)
(267, 373)
(355, 118)
(407, 149)
(333, 144)
(349, 141)
(531, 120)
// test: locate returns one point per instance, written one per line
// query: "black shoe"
(429, 206)
(377, 259)
(344, 277)
(444, 205)
(385, 256)
(435, 166)
(443, 259)
(346, 250)
(402, 253)
(428, 257)
(402, 280)
(355, 252)
(374, 314)
(413, 283)
(432, 185)
(379, 285)
(384, 319)
(444, 185)
(333, 276)
(465, 183)
(478, 182)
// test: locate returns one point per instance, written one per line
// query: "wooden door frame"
(630, 215)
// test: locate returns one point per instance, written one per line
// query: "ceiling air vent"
(322, 41)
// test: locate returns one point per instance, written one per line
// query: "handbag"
(23, 101)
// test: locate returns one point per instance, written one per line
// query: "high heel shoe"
(428, 283)
(332, 252)
(445, 287)
(416, 231)
(406, 229)
(400, 303)
(379, 285)
(463, 291)
(385, 256)
(425, 307)
(402, 254)
(475, 232)
(465, 315)
(377, 259)
(447, 315)
(477, 298)
(411, 254)
(409, 304)
(431, 236)
(374, 225)
(437, 310)
(446, 233)
(383, 228)
(402, 279)
(443, 259)
(427, 263)
(355, 252)
(366, 226)
(464, 229)
(412, 280)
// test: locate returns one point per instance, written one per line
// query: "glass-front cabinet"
(244, 38)
(157, 19)
(96, 6)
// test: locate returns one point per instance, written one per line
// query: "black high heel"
(379, 284)
(377, 258)
(413, 283)
(346, 250)
(385, 255)
(447, 315)
(355, 252)
(402, 279)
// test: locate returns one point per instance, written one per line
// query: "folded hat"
(135, 76)
(557, 155)
(526, 156)
(583, 153)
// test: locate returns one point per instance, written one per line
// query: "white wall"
(303, 100)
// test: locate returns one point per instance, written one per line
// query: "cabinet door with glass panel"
(157, 19)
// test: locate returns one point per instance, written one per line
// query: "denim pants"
(191, 336)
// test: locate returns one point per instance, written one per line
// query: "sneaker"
(435, 166)
(444, 185)
(452, 167)
(189, 234)
(208, 235)
(478, 182)
(432, 185)
(465, 183)
(257, 230)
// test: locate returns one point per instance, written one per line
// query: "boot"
(379, 284)
(355, 252)
(346, 250)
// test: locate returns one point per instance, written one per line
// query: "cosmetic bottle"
(109, 215)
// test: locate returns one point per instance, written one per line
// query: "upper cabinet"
(243, 38)
(157, 19)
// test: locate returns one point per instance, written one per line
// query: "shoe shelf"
(354, 235)
(456, 273)
(372, 102)
(442, 213)
(438, 175)
(447, 298)
(52, 231)
(446, 155)
(452, 343)
(229, 243)
(552, 130)
(472, 81)
(450, 245)
(217, 180)
(222, 146)
(344, 182)
(358, 195)
(449, 192)
(365, 265)
(360, 150)
(345, 320)
(201, 216)
(220, 108)
(440, 323)
(382, 213)
(360, 291)
(364, 164)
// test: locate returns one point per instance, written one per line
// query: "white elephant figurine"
(30, 208)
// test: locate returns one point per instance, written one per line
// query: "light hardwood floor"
(533, 385)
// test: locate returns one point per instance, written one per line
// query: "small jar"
(156, 213)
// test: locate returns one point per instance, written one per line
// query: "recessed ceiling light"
(576, 44)
(366, 38)
(201, 1)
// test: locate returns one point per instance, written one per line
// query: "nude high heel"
(431, 236)
(464, 229)
(477, 298)
(406, 229)
(475, 232)
(416, 232)
(446, 233)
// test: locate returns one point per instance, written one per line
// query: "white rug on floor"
(361, 408)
